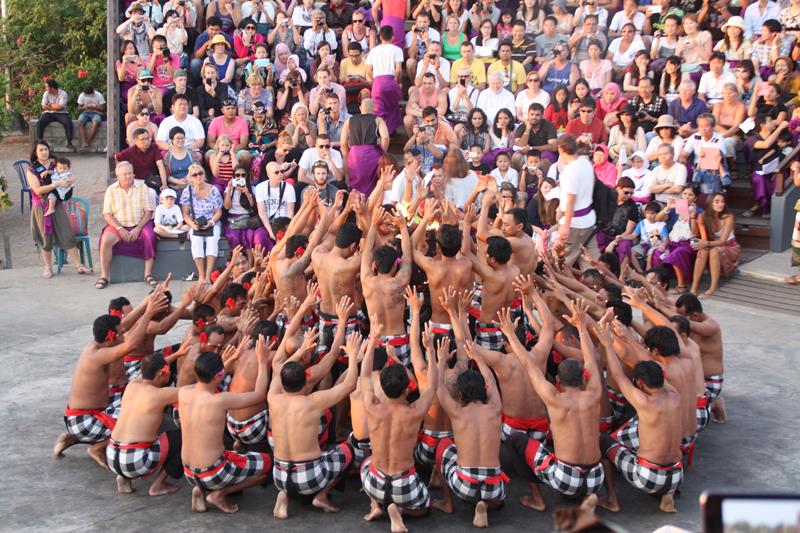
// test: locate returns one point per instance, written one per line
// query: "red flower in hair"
(167, 351)
(215, 275)
(412, 385)
(230, 303)
(586, 374)
(201, 323)
(115, 312)
(165, 369)
(246, 286)
(203, 337)
(300, 250)
(280, 234)
(308, 374)
(390, 361)
(45, 78)
(111, 335)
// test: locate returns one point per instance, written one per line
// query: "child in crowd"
(503, 173)
(653, 236)
(475, 159)
(169, 223)
(59, 194)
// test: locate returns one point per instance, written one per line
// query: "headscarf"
(280, 67)
(618, 99)
(285, 73)
(606, 173)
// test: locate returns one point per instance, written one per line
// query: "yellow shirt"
(477, 71)
(515, 71)
(128, 207)
(347, 68)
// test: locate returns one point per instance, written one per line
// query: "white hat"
(639, 154)
(735, 22)
(168, 193)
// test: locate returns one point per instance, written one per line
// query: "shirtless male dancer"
(510, 224)
(213, 471)
(574, 467)
(384, 277)
(708, 336)
(655, 467)
(470, 467)
(388, 475)
(89, 417)
(136, 449)
(301, 468)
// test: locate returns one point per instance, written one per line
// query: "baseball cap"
(144, 74)
(180, 73)
(167, 193)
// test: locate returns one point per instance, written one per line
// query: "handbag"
(206, 232)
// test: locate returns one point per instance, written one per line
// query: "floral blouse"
(203, 207)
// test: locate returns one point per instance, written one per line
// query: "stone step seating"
(54, 136)
(171, 256)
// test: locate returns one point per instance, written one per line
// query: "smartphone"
(682, 206)
(741, 511)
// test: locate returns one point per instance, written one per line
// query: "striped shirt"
(128, 207)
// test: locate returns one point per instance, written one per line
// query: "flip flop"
(101, 283)
(150, 280)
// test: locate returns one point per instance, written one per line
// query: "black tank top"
(363, 130)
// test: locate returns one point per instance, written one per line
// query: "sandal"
(47, 273)
(750, 213)
(101, 283)
(150, 280)
(792, 280)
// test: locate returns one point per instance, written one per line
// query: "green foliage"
(57, 39)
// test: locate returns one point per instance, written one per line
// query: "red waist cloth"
(541, 424)
(644, 462)
(702, 402)
(396, 342)
(494, 480)
(107, 420)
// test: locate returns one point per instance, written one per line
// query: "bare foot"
(589, 503)
(706, 295)
(667, 504)
(533, 502)
(198, 501)
(162, 488)
(397, 519)
(64, 441)
(124, 485)
(609, 504)
(218, 500)
(445, 506)
(98, 453)
(322, 502)
(49, 211)
(718, 411)
(375, 512)
(281, 509)
(481, 518)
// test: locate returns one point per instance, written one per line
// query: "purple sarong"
(679, 255)
(387, 94)
(622, 249)
(763, 188)
(362, 162)
(144, 247)
(399, 27)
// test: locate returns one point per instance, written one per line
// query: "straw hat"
(666, 121)
(734, 22)
(219, 39)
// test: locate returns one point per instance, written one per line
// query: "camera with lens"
(209, 81)
(201, 221)
(365, 4)
(640, 115)
(479, 6)
(327, 111)
(293, 83)
(238, 182)
(166, 54)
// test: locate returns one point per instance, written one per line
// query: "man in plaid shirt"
(649, 106)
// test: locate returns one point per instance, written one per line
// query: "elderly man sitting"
(495, 97)
(128, 212)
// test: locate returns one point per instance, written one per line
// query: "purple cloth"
(387, 94)
(763, 187)
(679, 255)
(144, 247)
(490, 157)
(240, 237)
(622, 249)
(399, 27)
(262, 238)
(363, 164)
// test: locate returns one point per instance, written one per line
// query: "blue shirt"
(683, 115)
(203, 38)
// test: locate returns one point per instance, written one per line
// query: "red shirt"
(144, 163)
(596, 128)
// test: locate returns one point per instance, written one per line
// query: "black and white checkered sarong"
(401, 345)
(327, 330)
(427, 441)
(628, 433)
(471, 484)
(714, 386)
(310, 477)
(644, 475)
(361, 449)
(404, 490)
(138, 459)
(702, 412)
(489, 336)
(250, 431)
(568, 479)
(231, 468)
(90, 426)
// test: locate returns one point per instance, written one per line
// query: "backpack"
(604, 199)
(77, 218)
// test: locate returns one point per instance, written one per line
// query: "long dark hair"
(524, 10)
(496, 129)
(484, 127)
(634, 126)
(36, 144)
(546, 208)
(248, 182)
(710, 216)
(635, 74)
(554, 101)
(479, 37)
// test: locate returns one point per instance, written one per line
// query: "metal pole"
(113, 120)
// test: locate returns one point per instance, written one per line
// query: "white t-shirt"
(711, 86)
(247, 11)
(695, 143)
(191, 125)
(656, 142)
(512, 177)
(310, 156)
(444, 68)
(491, 103)
(383, 59)
(620, 19)
(523, 102)
(270, 196)
(399, 189)
(472, 94)
(676, 175)
(433, 35)
(170, 217)
(641, 182)
(578, 178)
(91, 99)
(625, 58)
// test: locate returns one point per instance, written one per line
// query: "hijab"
(618, 99)
(605, 172)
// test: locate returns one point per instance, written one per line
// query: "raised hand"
(414, 299)
(309, 341)
(344, 308)
(506, 325)
(578, 308)
(353, 344)
(449, 299)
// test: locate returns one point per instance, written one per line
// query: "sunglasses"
(195, 174)
(324, 146)
(358, 21)
(250, 27)
(241, 174)
(533, 79)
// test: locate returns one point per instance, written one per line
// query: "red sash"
(489, 329)
(702, 402)
(402, 340)
(107, 420)
(132, 358)
(644, 462)
(541, 424)
(494, 480)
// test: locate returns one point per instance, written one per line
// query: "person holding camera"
(290, 96)
(127, 67)
(244, 44)
(423, 139)
(317, 33)
(558, 71)
(417, 42)
(581, 39)
(649, 106)
(284, 34)
(428, 95)
(176, 36)
(317, 97)
(253, 93)
(331, 120)
(338, 15)
(202, 204)
(462, 97)
(137, 29)
(187, 12)
(163, 64)
(434, 63)
(242, 221)
(262, 13)
(143, 96)
(211, 95)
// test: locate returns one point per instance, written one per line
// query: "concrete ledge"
(171, 256)
(769, 267)
(56, 137)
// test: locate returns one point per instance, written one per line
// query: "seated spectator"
(769, 46)
(353, 74)
(201, 203)
(596, 70)
(174, 32)
(475, 68)
(762, 149)
(417, 41)
(163, 63)
(338, 15)
(666, 133)
(556, 112)
(262, 132)
(321, 182)
(325, 86)
(152, 11)
(242, 224)
(316, 34)
(128, 212)
(462, 97)
(452, 38)
(221, 161)
(639, 174)
(168, 219)
(203, 47)
(618, 234)
(321, 151)
(639, 69)
(211, 94)
(145, 158)
(670, 79)
(142, 122)
(178, 159)
(501, 136)
(605, 171)
(434, 63)
(285, 39)
(626, 135)
(548, 39)
(687, 108)
(422, 140)
(512, 71)
(360, 33)
(128, 66)
(593, 9)
(231, 125)
(137, 29)
(228, 12)
(629, 15)
(407, 182)
(302, 15)
(187, 12)
(54, 109)
(474, 131)
(682, 231)
(579, 41)
(287, 155)
(245, 41)
(180, 79)
(768, 102)
(648, 105)
(668, 178)
(587, 128)
(92, 106)
(787, 80)
(707, 149)
(56, 228)
(302, 129)
(694, 48)
(260, 66)
(558, 71)
(622, 51)
(536, 134)
(262, 12)
(665, 40)
(331, 119)
(733, 44)
(191, 125)
(495, 97)
(253, 93)
(712, 82)
(717, 249)
(428, 95)
(486, 42)
(290, 95)
(729, 113)
(220, 58)
(275, 198)
(144, 95)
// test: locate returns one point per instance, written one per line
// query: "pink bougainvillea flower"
(45, 78)
(19, 41)
(30, 92)
(83, 74)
